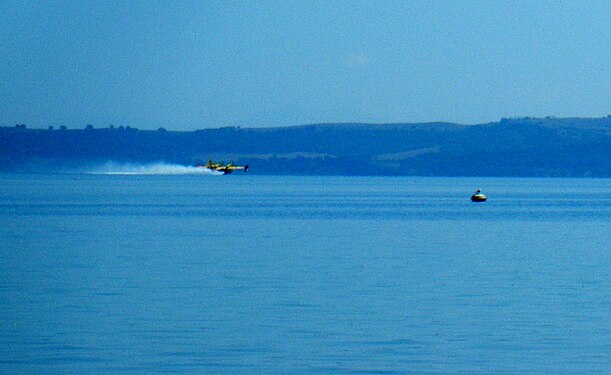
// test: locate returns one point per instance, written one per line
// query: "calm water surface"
(252, 274)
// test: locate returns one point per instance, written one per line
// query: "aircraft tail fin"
(245, 167)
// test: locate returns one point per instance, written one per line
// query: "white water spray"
(160, 168)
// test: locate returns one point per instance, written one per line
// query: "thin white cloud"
(357, 59)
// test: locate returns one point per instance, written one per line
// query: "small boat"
(478, 196)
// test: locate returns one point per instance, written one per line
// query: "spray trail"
(159, 168)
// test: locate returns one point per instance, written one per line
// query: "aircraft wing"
(235, 167)
(223, 168)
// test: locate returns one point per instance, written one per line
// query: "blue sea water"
(267, 274)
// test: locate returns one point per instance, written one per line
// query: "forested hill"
(512, 147)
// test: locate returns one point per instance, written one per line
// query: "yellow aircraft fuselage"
(225, 169)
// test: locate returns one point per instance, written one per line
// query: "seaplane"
(223, 168)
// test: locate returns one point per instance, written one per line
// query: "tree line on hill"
(549, 147)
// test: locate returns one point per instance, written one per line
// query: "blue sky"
(188, 65)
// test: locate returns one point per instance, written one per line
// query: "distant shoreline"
(525, 147)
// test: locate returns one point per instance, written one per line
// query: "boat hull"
(478, 198)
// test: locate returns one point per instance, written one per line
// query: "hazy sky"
(186, 65)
